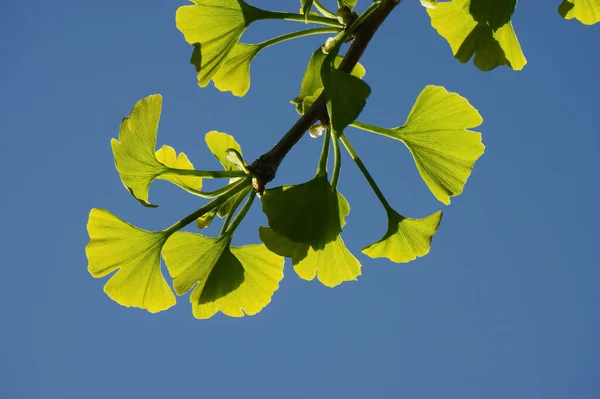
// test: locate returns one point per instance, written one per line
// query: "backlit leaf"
(234, 74)
(481, 28)
(312, 85)
(405, 239)
(346, 97)
(214, 27)
(167, 156)
(135, 158)
(436, 134)
(235, 281)
(218, 143)
(332, 265)
(306, 213)
(586, 11)
(115, 244)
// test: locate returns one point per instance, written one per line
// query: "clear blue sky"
(504, 306)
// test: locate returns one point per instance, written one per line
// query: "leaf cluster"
(305, 221)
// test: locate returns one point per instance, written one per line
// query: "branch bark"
(265, 167)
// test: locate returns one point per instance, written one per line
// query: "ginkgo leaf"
(135, 158)
(405, 239)
(332, 265)
(233, 280)
(585, 11)
(312, 84)
(219, 143)
(115, 244)
(482, 28)
(306, 213)
(234, 74)
(214, 27)
(168, 156)
(346, 97)
(436, 134)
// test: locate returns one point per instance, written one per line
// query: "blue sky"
(504, 306)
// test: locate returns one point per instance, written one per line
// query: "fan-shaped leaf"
(482, 28)
(135, 158)
(306, 213)
(435, 133)
(214, 27)
(405, 238)
(586, 11)
(332, 265)
(234, 280)
(115, 244)
(234, 74)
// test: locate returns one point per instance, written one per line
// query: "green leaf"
(214, 27)
(115, 244)
(332, 265)
(135, 158)
(482, 28)
(346, 97)
(306, 213)
(405, 238)
(586, 11)
(312, 84)
(233, 280)
(234, 74)
(435, 133)
(205, 220)
(219, 143)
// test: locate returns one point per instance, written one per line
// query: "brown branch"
(265, 167)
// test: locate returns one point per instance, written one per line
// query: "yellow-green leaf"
(168, 156)
(213, 27)
(405, 239)
(436, 134)
(332, 265)
(219, 143)
(135, 158)
(235, 281)
(481, 28)
(234, 74)
(586, 11)
(115, 244)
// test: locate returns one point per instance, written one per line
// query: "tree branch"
(265, 167)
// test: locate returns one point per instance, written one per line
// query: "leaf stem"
(235, 206)
(370, 128)
(294, 35)
(241, 214)
(290, 16)
(212, 194)
(322, 167)
(235, 188)
(323, 10)
(365, 172)
(213, 174)
(337, 159)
